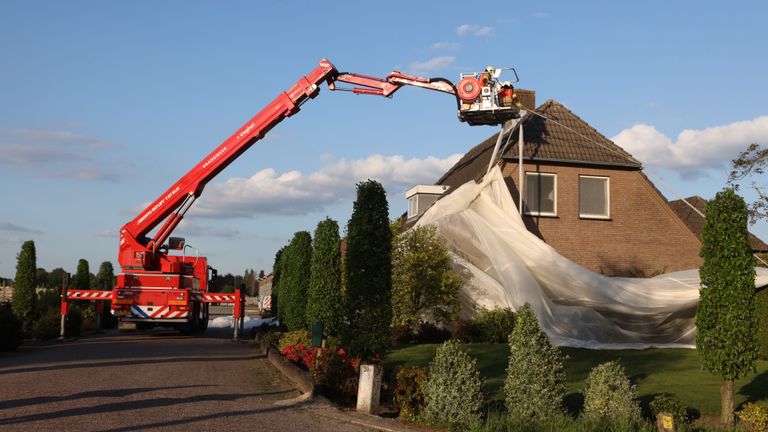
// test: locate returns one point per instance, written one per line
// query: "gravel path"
(152, 381)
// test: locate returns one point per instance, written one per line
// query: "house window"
(540, 194)
(594, 197)
(413, 208)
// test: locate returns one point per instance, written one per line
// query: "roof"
(695, 222)
(559, 136)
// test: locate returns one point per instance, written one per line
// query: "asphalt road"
(157, 380)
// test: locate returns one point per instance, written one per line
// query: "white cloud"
(694, 150)
(63, 154)
(187, 228)
(433, 64)
(474, 30)
(293, 193)
(446, 46)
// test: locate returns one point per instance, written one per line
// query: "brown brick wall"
(643, 237)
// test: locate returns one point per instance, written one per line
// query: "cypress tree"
(725, 318)
(325, 279)
(24, 296)
(83, 275)
(106, 276)
(368, 274)
(276, 272)
(294, 280)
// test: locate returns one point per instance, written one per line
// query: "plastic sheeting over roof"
(504, 265)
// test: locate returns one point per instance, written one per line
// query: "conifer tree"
(368, 272)
(324, 301)
(24, 296)
(106, 276)
(726, 324)
(453, 393)
(83, 275)
(535, 383)
(277, 268)
(294, 280)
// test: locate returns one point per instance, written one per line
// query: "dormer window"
(421, 197)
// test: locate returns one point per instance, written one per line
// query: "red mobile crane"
(158, 288)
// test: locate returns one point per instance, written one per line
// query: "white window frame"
(554, 186)
(413, 206)
(607, 198)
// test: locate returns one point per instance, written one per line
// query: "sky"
(104, 105)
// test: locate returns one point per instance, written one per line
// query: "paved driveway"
(151, 381)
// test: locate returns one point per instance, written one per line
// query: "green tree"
(725, 318)
(106, 276)
(368, 272)
(294, 280)
(55, 278)
(453, 393)
(83, 275)
(752, 162)
(24, 295)
(423, 283)
(325, 278)
(609, 394)
(535, 383)
(277, 270)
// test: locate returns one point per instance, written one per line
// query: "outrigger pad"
(492, 117)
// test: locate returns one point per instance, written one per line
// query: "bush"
(535, 383)
(609, 394)
(495, 325)
(89, 317)
(10, 328)
(466, 331)
(48, 326)
(74, 323)
(402, 334)
(761, 311)
(430, 333)
(453, 391)
(669, 404)
(336, 374)
(294, 337)
(409, 391)
(755, 416)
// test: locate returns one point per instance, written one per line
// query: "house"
(585, 196)
(694, 220)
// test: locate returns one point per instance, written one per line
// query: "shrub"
(301, 355)
(453, 391)
(294, 337)
(324, 296)
(495, 325)
(48, 326)
(401, 334)
(535, 383)
(761, 310)
(466, 331)
(24, 295)
(89, 317)
(669, 404)
(74, 323)
(609, 394)
(336, 374)
(430, 333)
(10, 328)
(755, 416)
(409, 391)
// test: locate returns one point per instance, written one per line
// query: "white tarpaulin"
(504, 265)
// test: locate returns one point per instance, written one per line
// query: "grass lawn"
(654, 371)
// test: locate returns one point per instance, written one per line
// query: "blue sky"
(103, 105)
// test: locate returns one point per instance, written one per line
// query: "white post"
(369, 388)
